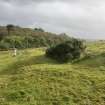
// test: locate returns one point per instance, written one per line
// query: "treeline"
(17, 37)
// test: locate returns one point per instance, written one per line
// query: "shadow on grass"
(13, 68)
(95, 60)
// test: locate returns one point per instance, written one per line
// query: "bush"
(11, 42)
(4, 45)
(69, 50)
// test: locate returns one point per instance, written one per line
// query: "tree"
(39, 29)
(9, 28)
(69, 50)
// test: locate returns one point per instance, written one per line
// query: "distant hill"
(27, 38)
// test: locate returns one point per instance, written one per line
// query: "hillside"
(21, 38)
(32, 79)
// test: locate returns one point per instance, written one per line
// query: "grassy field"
(32, 79)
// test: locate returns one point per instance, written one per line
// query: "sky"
(78, 18)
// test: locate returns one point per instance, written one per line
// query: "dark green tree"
(9, 28)
(39, 29)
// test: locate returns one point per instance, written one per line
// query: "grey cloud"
(81, 18)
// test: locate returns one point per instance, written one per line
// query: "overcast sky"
(79, 18)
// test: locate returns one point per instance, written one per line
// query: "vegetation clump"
(69, 50)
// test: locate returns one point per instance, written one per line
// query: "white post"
(15, 52)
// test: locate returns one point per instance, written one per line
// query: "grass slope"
(32, 79)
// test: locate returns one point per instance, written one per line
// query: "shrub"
(4, 45)
(11, 42)
(69, 50)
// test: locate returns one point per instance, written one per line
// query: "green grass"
(32, 79)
